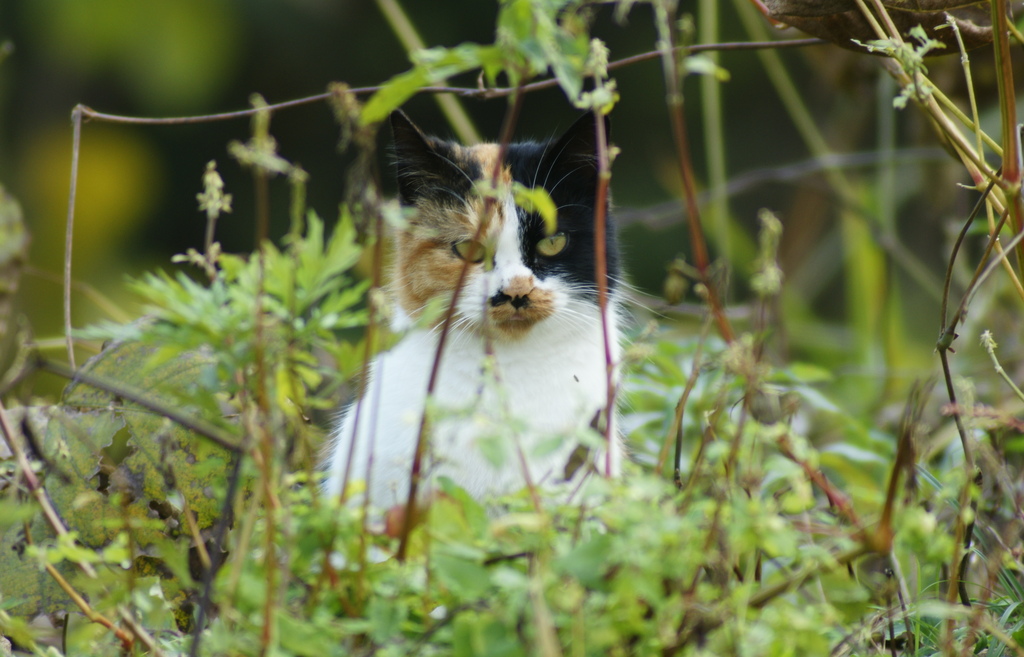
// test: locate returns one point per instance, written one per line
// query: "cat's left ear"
(575, 152)
(413, 156)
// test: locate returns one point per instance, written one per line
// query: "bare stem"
(604, 176)
(674, 99)
(416, 473)
(69, 230)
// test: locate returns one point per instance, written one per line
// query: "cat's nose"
(516, 301)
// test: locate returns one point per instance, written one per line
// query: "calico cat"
(524, 368)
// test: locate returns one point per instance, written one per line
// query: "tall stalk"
(1010, 131)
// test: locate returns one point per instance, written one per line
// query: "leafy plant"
(171, 495)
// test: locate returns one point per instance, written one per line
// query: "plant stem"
(69, 229)
(665, 22)
(604, 176)
(714, 135)
(416, 473)
(1011, 132)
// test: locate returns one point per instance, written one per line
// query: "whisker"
(551, 167)
(540, 161)
(551, 190)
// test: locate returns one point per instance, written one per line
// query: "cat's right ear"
(413, 156)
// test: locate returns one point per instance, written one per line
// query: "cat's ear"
(574, 154)
(423, 165)
(412, 154)
(410, 142)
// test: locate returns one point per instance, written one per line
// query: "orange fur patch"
(486, 155)
(425, 269)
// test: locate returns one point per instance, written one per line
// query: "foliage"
(766, 512)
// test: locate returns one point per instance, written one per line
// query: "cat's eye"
(469, 250)
(552, 245)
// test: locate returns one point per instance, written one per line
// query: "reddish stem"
(604, 176)
(421, 439)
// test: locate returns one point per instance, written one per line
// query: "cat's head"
(518, 274)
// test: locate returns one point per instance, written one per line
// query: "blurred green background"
(862, 269)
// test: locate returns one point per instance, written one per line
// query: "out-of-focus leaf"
(26, 588)
(180, 61)
(545, 35)
(109, 464)
(159, 457)
(537, 199)
(13, 251)
(588, 561)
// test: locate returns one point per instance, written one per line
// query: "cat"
(524, 366)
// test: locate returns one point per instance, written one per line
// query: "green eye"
(552, 245)
(469, 250)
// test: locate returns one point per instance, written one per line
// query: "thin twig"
(69, 229)
(94, 616)
(465, 92)
(674, 98)
(675, 432)
(205, 599)
(604, 176)
(712, 621)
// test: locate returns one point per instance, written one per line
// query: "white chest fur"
(496, 421)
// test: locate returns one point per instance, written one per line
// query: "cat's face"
(518, 274)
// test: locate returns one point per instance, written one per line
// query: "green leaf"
(303, 636)
(808, 373)
(462, 577)
(539, 35)
(386, 618)
(483, 634)
(392, 94)
(588, 561)
(537, 200)
(431, 66)
(703, 65)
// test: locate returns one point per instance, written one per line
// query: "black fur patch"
(567, 168)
